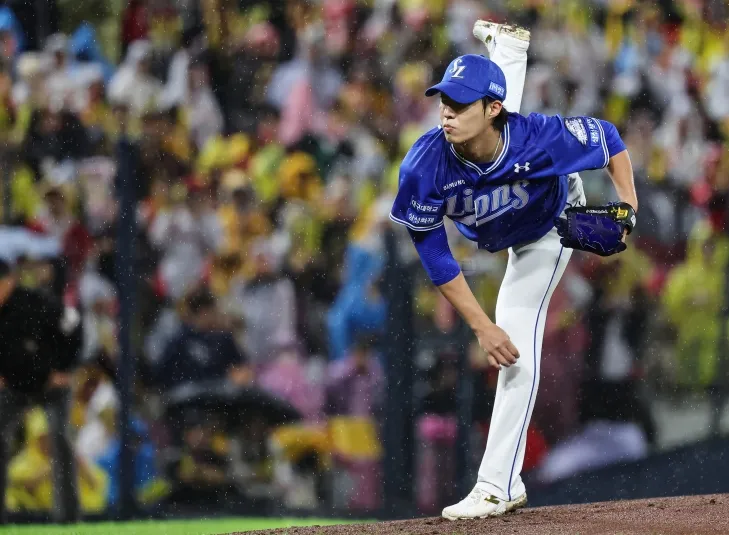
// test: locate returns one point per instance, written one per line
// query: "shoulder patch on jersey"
(576, 127)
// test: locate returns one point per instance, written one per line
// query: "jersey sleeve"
(418, 205)
(577, 144)
(435, 255)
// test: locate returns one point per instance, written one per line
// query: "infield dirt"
(690, 515)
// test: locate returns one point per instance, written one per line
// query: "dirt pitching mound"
(690, 515)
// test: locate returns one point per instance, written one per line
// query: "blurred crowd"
(269, 137)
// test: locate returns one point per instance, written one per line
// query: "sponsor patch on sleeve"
(423, 207)
(420, 220)
(594, 132)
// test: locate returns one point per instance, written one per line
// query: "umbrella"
(231, 400)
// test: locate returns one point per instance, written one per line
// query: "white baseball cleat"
(487, 32)
(480, 504)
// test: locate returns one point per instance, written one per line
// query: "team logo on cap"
(457, 68)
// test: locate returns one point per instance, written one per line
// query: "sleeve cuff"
(613, 142)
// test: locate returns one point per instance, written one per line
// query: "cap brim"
(457, 92)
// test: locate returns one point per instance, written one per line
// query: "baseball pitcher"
(508, 182)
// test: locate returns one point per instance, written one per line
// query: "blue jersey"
(512, 200)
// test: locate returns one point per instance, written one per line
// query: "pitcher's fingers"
(512, 348)
(492, 361)
(504, 357)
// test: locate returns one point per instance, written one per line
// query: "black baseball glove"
(596, 229)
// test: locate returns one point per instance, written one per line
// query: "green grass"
(177, 527)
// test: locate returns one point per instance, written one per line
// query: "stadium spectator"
(185, 235)
(266, 303)
(697, 284)
(201, 351)
(31, 482)
(41, 340)
(133, 84)
(356, 383)
(359, 305)
(134, 24)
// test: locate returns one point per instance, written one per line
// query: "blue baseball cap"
(470, 78)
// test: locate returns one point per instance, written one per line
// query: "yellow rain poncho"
(29, 473)
(692, 301)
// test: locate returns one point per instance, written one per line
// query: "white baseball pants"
(533, 272)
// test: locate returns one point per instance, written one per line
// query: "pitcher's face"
(463, 122)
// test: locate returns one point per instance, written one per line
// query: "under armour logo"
(457, 68)
(518, 167)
